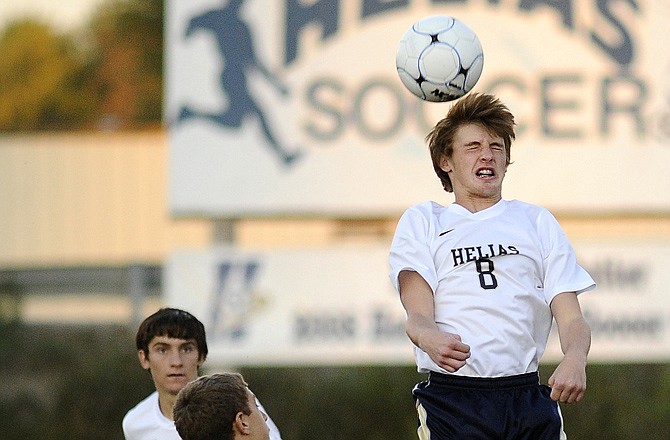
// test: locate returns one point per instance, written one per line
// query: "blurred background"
(105, 213)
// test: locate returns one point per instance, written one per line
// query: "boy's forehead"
(165, 339)
(475, 130)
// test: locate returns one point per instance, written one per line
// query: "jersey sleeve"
(410, 249)
(562, 273)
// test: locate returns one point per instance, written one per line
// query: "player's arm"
(445, 349)
(568, 382)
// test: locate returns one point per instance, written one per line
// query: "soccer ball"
(439, 59)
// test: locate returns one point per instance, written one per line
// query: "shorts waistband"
(484, 383)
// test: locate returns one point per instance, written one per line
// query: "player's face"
(257, 420)
(477, 166)
(173, 363)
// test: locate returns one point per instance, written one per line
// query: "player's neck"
(166, 404)
(477, 204)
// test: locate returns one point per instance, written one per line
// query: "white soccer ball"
(439, 59)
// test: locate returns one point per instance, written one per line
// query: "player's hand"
(568, 383)
(445, 349)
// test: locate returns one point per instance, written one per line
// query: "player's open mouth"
(486, 172)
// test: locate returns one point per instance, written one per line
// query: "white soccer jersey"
(493, 274)
(146, 422)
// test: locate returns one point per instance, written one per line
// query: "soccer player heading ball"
(481, 280)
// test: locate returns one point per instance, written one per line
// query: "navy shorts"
(452, 407)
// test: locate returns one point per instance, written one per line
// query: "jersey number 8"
(485, 269)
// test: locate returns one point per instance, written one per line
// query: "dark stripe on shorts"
(484, 383)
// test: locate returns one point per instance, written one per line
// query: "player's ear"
(445, 164)
(144, 359)
(241, 423)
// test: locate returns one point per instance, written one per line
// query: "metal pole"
(137, 290)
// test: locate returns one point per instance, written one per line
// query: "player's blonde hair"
(478, 108)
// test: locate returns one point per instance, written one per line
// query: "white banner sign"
(293, 107)
(336, 306)
(330, 306)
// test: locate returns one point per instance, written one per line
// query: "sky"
(64, 14)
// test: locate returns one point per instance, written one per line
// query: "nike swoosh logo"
(446, 232)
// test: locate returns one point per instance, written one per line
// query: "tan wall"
(90, 198)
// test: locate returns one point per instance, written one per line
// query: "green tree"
(107, 75)
(126, 56)
(41, 81)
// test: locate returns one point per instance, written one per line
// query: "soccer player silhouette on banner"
(235, 44)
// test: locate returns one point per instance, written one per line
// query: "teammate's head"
(172, 323)
(219, 407)
(483, 109)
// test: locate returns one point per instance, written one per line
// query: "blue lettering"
(324, 13)
(550, 105)
(317, 96)
(387, 326)
(503, 83)
(393, 126)
(622, 52)
(438, 2)
(633, 108)
(375, 7)
(322, 327)
(563, 7)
